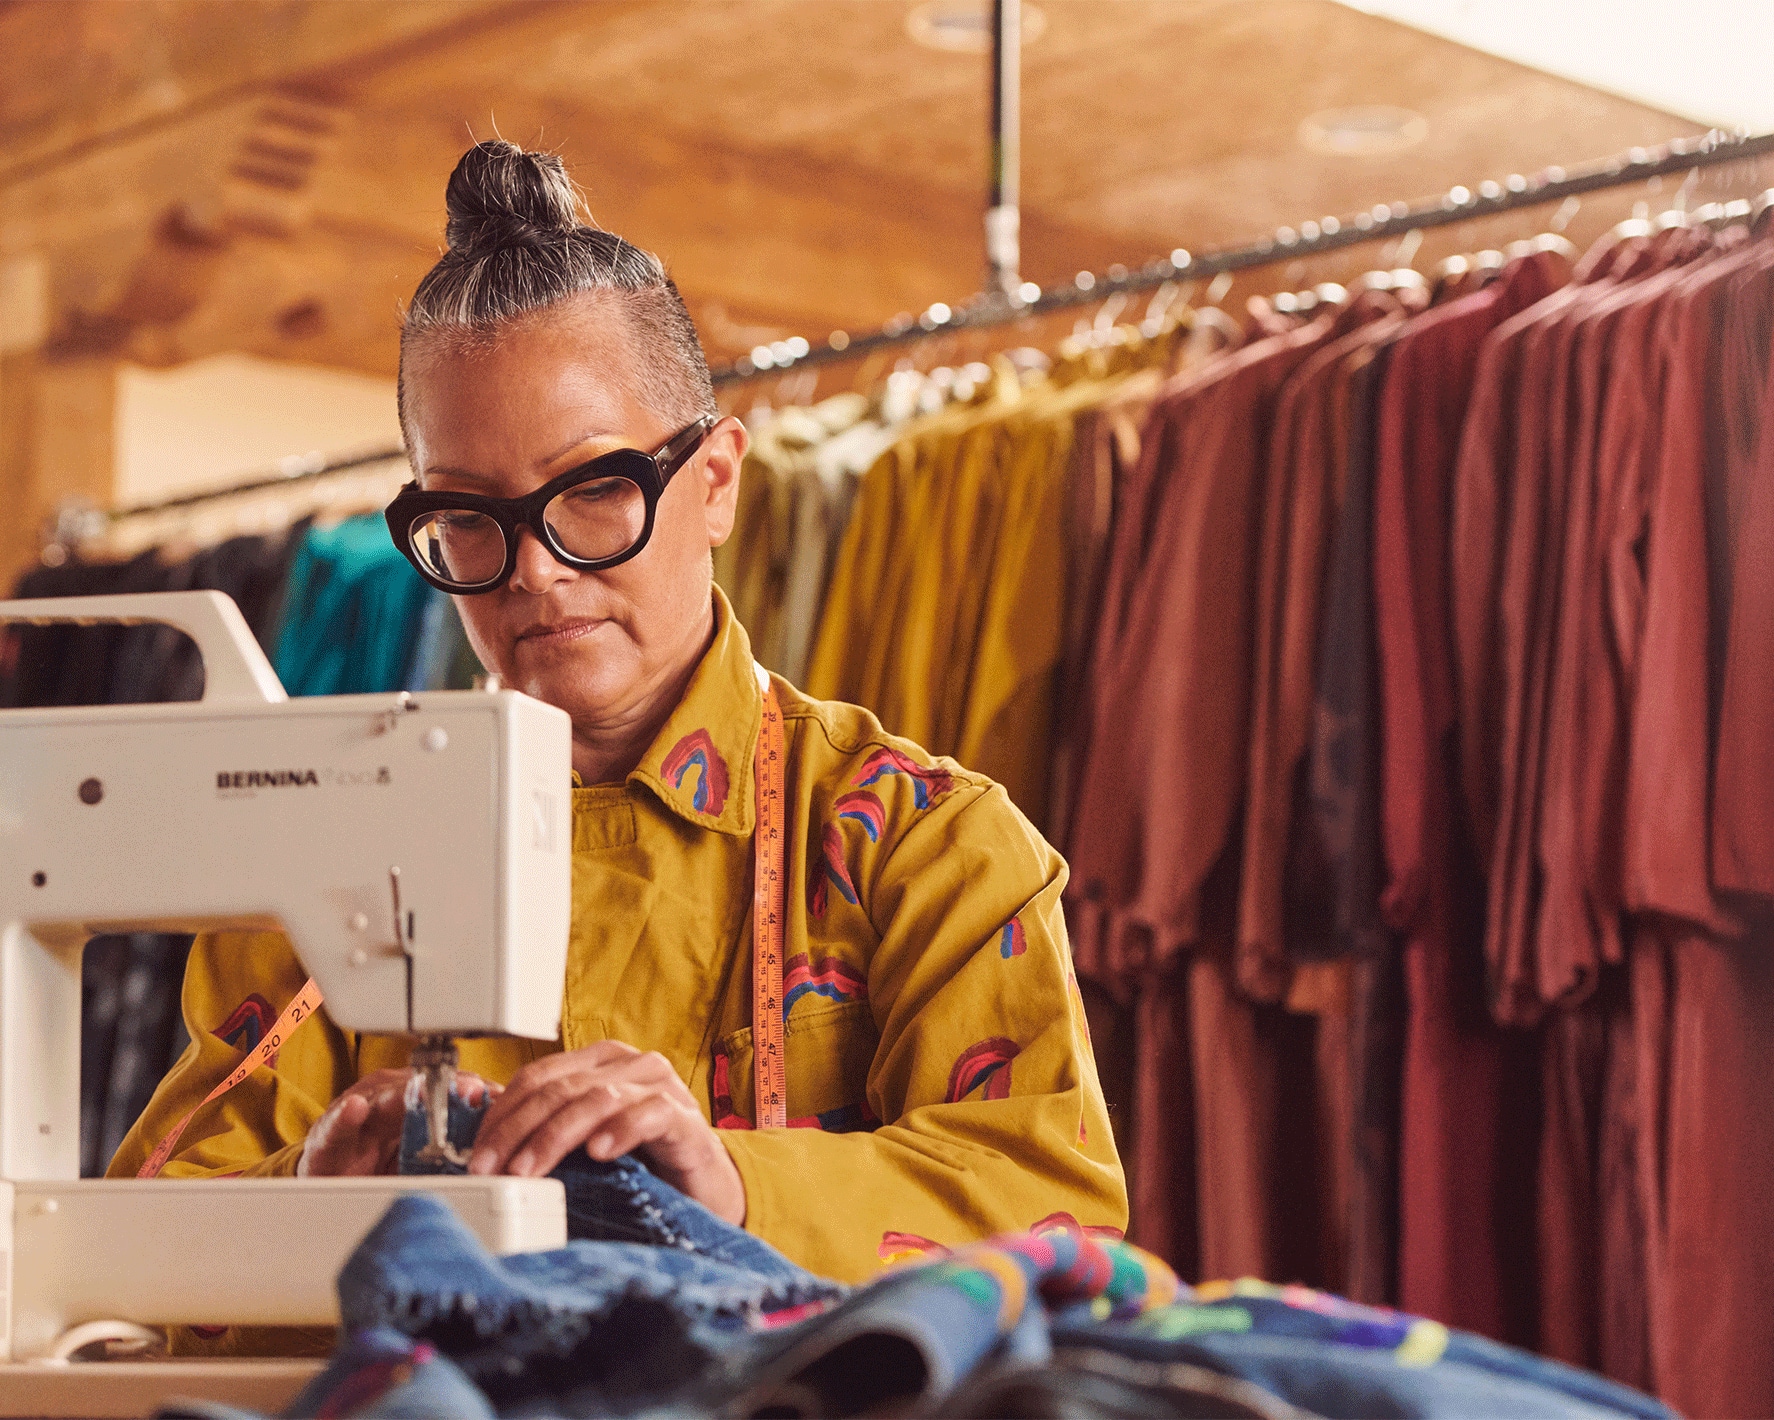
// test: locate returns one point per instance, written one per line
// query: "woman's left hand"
(613, 1100)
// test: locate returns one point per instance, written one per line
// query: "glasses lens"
(602, 517)
(463, 548)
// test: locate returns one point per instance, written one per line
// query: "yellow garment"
(756, 565)
(928, 985)
(950, 603)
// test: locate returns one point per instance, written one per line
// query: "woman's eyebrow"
(459, 475)
(596, 436)
(463, 475)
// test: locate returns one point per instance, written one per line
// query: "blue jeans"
(657, 1307)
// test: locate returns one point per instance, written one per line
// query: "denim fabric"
(1338, 1358)
(607, 1319)
(673, 1312)
(619, 1201)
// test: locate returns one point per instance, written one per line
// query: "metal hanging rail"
(1461, 204)
(1312, 238)
(1004, 178)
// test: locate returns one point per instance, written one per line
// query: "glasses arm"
(683, 444)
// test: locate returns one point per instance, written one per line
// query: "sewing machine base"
(96, 1389)
(246, 1252)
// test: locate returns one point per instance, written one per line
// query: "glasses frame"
(649, 472)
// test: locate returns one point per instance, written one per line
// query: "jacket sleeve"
(236, 985)
(983, 1075)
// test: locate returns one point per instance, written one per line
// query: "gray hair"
(517, 246)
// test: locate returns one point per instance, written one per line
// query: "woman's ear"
(723, 455)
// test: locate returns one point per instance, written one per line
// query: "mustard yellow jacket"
(941, 1085)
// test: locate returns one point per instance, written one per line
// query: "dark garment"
(1308, 474)
(1334, 860)
(131, 1034)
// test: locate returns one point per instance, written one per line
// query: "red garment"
(1703, 993)
(1483, 489)
(1668, 816)
(1157, 809)
(1579, 929)
(1528, 975)
(1743, 801)
(1463, 1251)
(1163, 777)
(1584, 1263)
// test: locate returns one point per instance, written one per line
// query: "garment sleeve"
(236, 985)
(983, 1075)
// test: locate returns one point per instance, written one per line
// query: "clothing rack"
(1310, 238)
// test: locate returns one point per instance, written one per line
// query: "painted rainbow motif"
(831, 977)
(697, 751)
(987, 1065)
(862, 807)
(927, 784)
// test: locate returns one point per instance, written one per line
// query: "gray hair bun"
(519, 244)
(499, 195)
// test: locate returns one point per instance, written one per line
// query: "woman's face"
(545, 395)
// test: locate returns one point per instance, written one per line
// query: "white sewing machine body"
(416, 850)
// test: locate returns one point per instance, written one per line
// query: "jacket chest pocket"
(828, 1051)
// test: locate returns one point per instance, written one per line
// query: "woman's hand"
(613, 1100)
(360, 1131)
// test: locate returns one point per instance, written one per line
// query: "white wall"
(1710, 60)
(214, 422)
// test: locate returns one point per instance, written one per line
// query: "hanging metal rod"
(1004, 187)
(1312, 238)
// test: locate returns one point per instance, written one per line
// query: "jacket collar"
(700, 765)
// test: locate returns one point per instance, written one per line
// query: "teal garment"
(351, 614)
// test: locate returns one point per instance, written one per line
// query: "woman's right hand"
(360, 1132)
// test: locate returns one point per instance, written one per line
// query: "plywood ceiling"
(204, 175)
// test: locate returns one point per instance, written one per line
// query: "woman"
(938, 1064)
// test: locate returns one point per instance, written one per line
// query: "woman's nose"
(537, 568)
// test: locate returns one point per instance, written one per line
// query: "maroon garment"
(1668, 812)
(1743, 799)
(1587, 1260)
(1163, 776)
(1576, 931)
(1152, 840)
(1464, 1250)
(1526, 974)
(1483, 492)
(1703, 988)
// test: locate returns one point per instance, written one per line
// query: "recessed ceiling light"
(1363, 131)
(965, 26)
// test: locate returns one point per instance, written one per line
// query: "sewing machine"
(415, 849)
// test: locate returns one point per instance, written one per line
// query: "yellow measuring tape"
(769, 927)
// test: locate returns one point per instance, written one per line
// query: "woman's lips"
(543, 635)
